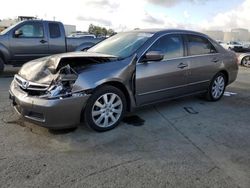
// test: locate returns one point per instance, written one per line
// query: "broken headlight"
(62, 86)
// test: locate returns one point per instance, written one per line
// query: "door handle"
(215, 60)
(182, 65)
(43, 41)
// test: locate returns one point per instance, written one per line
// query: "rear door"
(204, 62)
(31, 44)
(57, 40)
(158, 80)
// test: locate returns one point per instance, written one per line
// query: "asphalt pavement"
(187, 142)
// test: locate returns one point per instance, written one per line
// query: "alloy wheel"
(107, 110)
(218, 87)
(246, 61)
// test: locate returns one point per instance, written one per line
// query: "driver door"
(30, 44)
(159, 80)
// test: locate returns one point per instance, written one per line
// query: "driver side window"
(31, 30)
(170, 45)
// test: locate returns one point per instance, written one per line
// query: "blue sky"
(129, 14)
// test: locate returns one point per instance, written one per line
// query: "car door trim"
(166, 89)
(184, 57)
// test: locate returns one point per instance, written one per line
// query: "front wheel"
(217, 87)
(105, 108)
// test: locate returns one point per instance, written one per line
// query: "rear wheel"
(105, 108)
(245, 61)
(1, 65)
(217, 87)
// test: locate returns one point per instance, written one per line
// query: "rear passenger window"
(199, 45)
(54, 30)
(170, 45)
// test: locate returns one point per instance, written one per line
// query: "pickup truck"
(32, 39)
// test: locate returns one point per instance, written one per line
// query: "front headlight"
(60, 92)
(62, 86)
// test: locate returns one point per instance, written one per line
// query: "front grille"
(27, 86)
(18, 80)
(33, 92)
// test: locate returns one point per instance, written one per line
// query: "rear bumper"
(53, 114)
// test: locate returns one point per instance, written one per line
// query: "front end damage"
(60, 86)
(44, 90)
(54, 77)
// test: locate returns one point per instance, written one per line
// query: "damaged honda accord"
(128, 70)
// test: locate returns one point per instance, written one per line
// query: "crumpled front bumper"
(53, 114)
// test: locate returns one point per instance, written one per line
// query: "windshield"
(8, 29)
(121, 45)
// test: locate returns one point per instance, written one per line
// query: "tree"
(100, 31)
(111, 32)
(91, 29)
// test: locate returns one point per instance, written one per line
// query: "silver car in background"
(244, 59)
(128, 70)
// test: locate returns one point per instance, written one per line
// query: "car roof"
(162, 31)
(39, 20)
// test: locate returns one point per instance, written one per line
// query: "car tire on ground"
(245, 61)
(217, 87)
(105, 108)
(1, 65)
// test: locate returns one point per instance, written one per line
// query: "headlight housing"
(62, 86)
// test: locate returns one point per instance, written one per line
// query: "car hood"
(46, 69)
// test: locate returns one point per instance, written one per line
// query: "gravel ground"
(182, 143)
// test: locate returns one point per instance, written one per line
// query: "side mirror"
(18, 33)
(153, 56)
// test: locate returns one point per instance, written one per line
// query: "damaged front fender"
(121, 72)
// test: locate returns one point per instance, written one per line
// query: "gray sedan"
(128, 70)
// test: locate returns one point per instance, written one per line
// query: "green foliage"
(100, 31)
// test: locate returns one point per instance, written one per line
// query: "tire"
(103, 116)
(217, 87)
(245, 61)
(1, 65)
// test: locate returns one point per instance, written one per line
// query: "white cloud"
(170, 3)
(123, 14)
(152, 20)
(236, 18)
(118, 15)
(102, 21)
